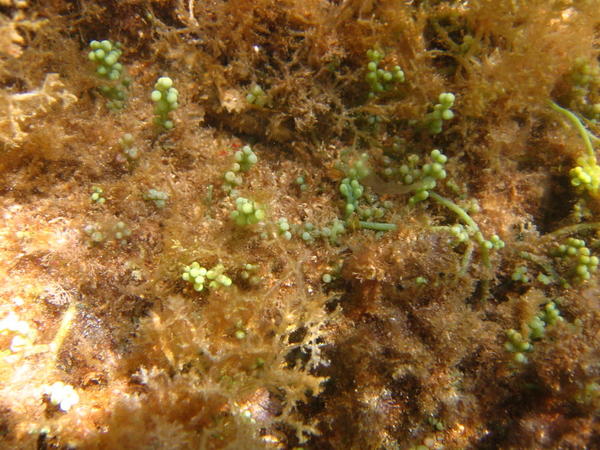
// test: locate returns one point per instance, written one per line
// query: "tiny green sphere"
(583, 272)
(447, 98)
(111, 58)
(230, 177)
(371, 77)
(224, 280)
(127, 139)
(156, 96)
(247, 208)
(421, 195)
(520, 358)
(259, 214)
(240, 334)
(164, 83)
(447, 114)
(421, 280)
(171, 97)
(97, 236)
(106, 45)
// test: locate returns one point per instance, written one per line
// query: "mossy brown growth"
(404, 344)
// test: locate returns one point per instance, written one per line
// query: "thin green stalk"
(583, 132)
(540, 261)
(465, 261)
(462, 214)
(572, 229)
(377, 226)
